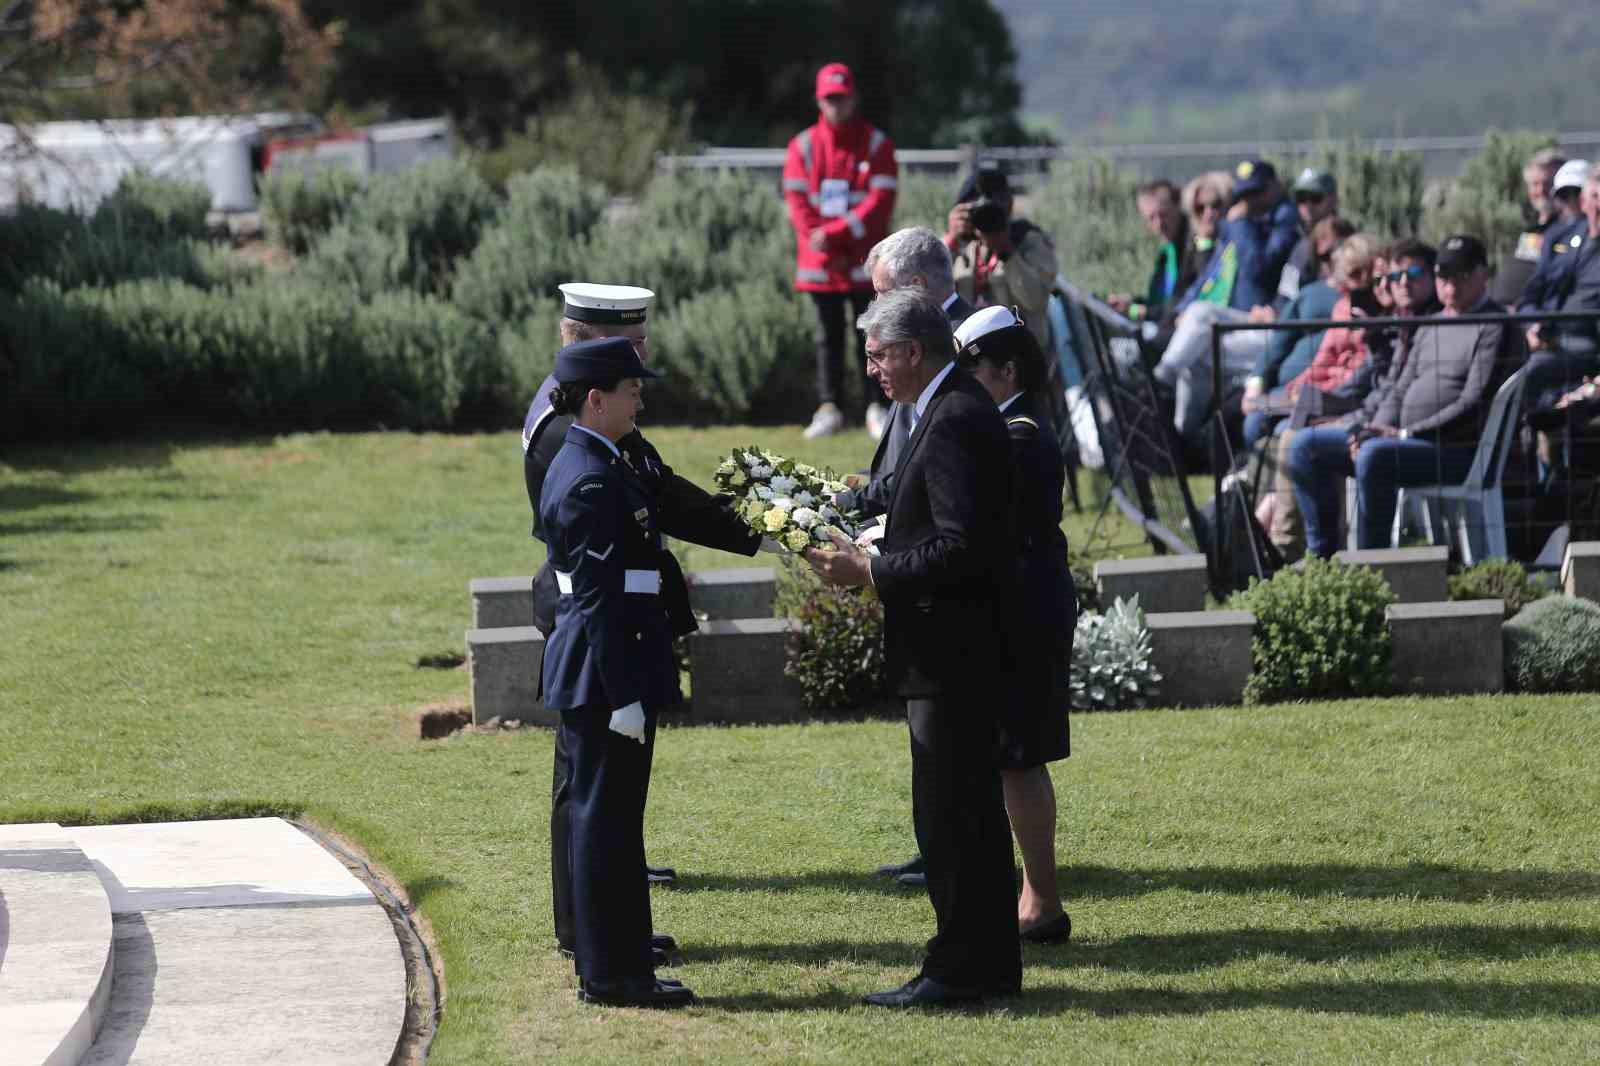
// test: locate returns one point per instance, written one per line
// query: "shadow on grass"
(1429, 881)
(69, 523)
(1433, 881)
(29, 497)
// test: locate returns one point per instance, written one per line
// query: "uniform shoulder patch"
(1022, 421)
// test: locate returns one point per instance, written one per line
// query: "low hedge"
(1553, 645)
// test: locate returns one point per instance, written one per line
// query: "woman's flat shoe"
(1057, 930)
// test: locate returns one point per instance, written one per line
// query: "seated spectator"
(1570, 351)
(1316, 197)
(1425, 428)
(1410, 285)
(1539, 214)
(1288, 352)
(1543, 292)
(1254, 241)
(1340, 351)
(1205, 203)
(1000, 259)
(1182, 253)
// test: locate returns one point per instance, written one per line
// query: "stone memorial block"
(1449, 647)
(723, 594)
(1203, 656)
(1417, 575)
(501, 602)
(1163, 583)
(504, 666)
(736, 669)
(1580, 571)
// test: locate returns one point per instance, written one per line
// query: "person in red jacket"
(839, 183)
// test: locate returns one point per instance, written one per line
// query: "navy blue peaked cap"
(602, 361)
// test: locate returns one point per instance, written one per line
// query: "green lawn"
(196, 628)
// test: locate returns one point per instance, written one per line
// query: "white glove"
(629, 721)
(771, 546)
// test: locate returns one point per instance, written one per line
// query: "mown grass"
(206, 628)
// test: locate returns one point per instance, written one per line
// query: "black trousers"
(607, 777)
(960, 817)
(561, 830)
(830, 308)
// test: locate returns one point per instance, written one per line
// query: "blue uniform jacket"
(612, 641)
(1558, 258)
(1262, 246)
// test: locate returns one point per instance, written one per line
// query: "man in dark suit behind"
(941, 580)
(910, 258)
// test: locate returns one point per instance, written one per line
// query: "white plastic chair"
(1474, 511)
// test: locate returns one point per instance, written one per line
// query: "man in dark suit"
(941, 577)
(912, 258)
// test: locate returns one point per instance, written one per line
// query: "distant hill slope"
(1157, 69)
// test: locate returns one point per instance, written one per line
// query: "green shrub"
(108, 247)
(836, 656)
(298, 209)
(1320, 632)
(437, 208)
(537, 242)
(923, 200)
(155, 209)
(1488, 199)
(362, 260)
(1498, 579)
(1112, 668)
(1553, 645)
(1087, 208)
(273, 354)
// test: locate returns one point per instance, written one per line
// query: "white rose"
(763, 492)
(804, 498)
(783, 503)
(828, 514)
(783, 484)
(804, 517)
(752, 460)
(763, 472)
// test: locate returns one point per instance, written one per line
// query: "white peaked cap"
(606, 304)
(983, 322)
(1574, 173)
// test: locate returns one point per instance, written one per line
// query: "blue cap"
(1252, 175)
(603, 361)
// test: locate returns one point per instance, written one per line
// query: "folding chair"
(1473, 512)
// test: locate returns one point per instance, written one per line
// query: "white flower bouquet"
(788, 501)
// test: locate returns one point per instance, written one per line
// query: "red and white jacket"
(841, 179)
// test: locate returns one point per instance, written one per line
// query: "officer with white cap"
(1558, 256)
(685, 511)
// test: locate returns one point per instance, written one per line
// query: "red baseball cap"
(835, 79)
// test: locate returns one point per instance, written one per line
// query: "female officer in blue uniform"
(1002, 354)
(608, 665)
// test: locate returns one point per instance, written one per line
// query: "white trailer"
(74, 165)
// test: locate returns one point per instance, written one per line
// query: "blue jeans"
(1319, 460)
(1258, 424)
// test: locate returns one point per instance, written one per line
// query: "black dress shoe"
(910, 866)
(925, 992)
(659, 957)
(913, 880)
(1057, 930)
(635, 992)
(663, 942)
(660, 875)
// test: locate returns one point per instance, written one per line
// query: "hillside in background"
(1158, 70)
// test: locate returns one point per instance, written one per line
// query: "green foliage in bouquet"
(787, 501)
(1498, 579)
(836, 656)
(1111, 660)
(1553, 645)
(1321, 632)
(298, 209)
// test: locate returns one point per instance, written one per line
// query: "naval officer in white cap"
(684, 510)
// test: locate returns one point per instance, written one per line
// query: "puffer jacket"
(843, 180)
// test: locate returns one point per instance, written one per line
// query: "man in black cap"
(1425, 430)
(1000, 260)
(686, 511)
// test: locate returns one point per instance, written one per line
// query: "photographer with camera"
(1000, 260)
